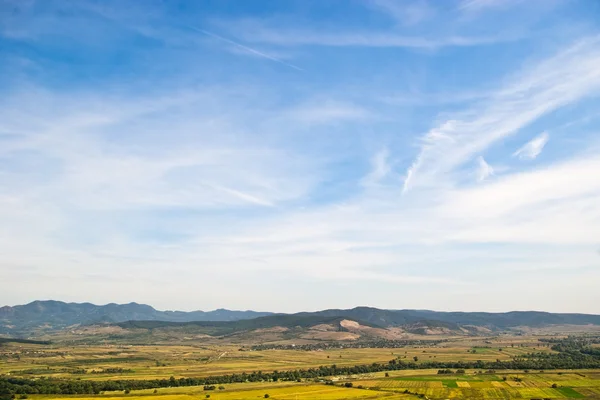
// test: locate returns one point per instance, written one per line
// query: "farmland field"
(121, 361)
(570, 385)
(114, 362)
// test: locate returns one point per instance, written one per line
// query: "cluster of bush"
(371, 344)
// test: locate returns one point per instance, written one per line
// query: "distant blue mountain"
(53, 315)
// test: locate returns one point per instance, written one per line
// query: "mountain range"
(40, 316)
(55, 315)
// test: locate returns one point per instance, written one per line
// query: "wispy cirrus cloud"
(562, 79)
(480, 5)
(299, 37)
(181, 163)
(408, 13)
(196, 170)
(545, 205)
(324, 111)
(380, 168)
(246, 48)
(484, 170)
(533, 148)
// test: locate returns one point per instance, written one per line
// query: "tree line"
(370, 344)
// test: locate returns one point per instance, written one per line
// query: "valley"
(362, 353)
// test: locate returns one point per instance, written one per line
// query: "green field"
(570, 385)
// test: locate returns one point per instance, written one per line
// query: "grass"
(570, 393)
(450, 384)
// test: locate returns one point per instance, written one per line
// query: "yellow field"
(108, 362)
(197, 360)
(291, 392)
(149, 362)
(573, 384)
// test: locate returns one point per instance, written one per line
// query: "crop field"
(149, 362)
(507, 385)
(119, 361)
(472, 385)
(300, 392)
(103, 362)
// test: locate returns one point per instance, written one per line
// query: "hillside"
(41, 316)
(496, 321)
(54, 315)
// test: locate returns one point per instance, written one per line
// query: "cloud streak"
(286, 37)
(484, 169)
(246, 48)
(533, 148)
(192, 169)
(380, 168)
(562, 79)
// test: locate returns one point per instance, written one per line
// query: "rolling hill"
(54, 315)
(40, 316)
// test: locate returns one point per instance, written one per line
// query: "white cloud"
(484, 169)
(563, 79)
(533, 148)
(247, 49)
(479, 5)
(298, 37)
(255, 177)
(95, 168)
(408, 13)
(551, 205)
(319, 111)
(380, 168)
(257, 31)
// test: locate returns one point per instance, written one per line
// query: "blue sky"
(301, 155)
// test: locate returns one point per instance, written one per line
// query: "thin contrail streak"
(258, 53)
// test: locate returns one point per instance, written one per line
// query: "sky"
(301, 154)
